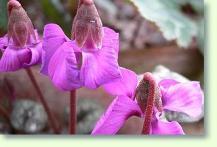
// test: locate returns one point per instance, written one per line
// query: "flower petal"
(184, 97)
(117, 113)
(3, 42)
(163, 127)
(13, 60)
(167, 83)
(53, 38)
(34, 38)
(53, 30)
(101, 66)
(111, 39)
(35, 54)
(63, 68)
(123, 86)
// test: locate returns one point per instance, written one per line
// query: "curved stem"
(149, 90)
(73, 116)
(51, 118)
(148, 113)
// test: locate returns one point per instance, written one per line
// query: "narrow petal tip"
(13, 4)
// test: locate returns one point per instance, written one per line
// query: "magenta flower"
(90, 59)
(21, 47)
(149, 100)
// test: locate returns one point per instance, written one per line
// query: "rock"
(88, 112)
(5, 128)
(28, 116)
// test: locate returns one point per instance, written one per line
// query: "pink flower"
(21, 47)
(90, 59)
(149, 100)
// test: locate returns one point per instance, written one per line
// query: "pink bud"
(13, 4)
(145, 90)
(148, 96)
(87, 26)
(20, 27)
(87, 2)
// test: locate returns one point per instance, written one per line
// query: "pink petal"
(101, 66)
(63, 68)
(34, 38)
(3, 42)
(163, 127)
(123, 86)
(166, 83)
(53, 38)
(13, 60)
(52, 31)
(36, 52)
(117, 113)
(183, 97)
(111, 39)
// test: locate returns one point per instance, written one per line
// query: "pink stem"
(150, 103)
(148, 116)
(51, 118)
(73, 116)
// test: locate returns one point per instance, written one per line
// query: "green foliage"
(54, 16)
(3, 14)
(201, 34)
(168, 17)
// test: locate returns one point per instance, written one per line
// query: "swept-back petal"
(167, 83)
(123, 86)
(163, 127)
(13, 60)
(53, 38)
(117, 113)
(183, 97)
(3, 43)
(63, 68)
(36, 52)
(101, 66)
(53, 30)
(111, 39)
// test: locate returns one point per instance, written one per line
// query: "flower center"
(148, 96)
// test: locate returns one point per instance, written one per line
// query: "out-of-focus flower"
(152, 100)
(21, 47)
(90, 59)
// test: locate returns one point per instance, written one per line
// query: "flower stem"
(5, 113)
(73, 116)
(148, 116)
(151, 88)
(51, 118)
(11, 92)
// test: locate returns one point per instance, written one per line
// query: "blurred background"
(152, 33)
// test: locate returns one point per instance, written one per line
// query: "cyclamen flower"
(149, 100)
(90, 59)
(21, 47)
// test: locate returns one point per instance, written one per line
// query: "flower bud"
(148, 89)
(20, 27)
(87, 26)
